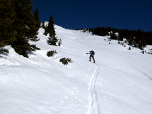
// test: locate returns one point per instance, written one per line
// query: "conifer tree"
(120, 36)
(50, 27)
(130, 40)
(113, 36)
(140, 46)
(144, 43)
(43, 26)
(52, 40)
(34, 27)
(59, 42)
(24, 26)
(46, 30)
(7, 34)
(36, 18)
(134, 42)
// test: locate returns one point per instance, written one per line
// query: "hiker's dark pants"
(92, 57)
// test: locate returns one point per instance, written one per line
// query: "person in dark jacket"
(92, 53)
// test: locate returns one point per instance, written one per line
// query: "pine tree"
(120, 36)
(143, 42)
(50, 27)
(134, 42)
(140, 46)
(113, 36)
(52, 40)
(33, 25)
(46, 30)
(24, 26)
(36, 18)
(130, 40)
(7, 34)
(59, 42)
(43, 26)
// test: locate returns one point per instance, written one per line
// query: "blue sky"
(120, 14)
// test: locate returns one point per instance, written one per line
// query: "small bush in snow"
(52, 41)
(51, 53)
(3, 51)
(59, 42)
(129, 48)
(65, 61)
(148, 53)
(122, 43)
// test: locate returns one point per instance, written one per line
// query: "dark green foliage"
(24, 26)
(33, 31)
(36, 18)
(43, 26)
(120, 36)
(137, 38)
(7, 33)
(60, 42)
(45, 31)
(51, 29)
(134, 43)
(130, 40)
(2, 50)
(52, 40)
(140, 46)
(113, 36)
(33, 48)
(102, 31)
(51, 53)
(144, 43)
(34, 26)
(21, 46)
(65, 61)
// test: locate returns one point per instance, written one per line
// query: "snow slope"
(119, 83)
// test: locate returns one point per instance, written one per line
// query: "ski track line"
(93, 104)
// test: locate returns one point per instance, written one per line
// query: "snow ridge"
(93, 104)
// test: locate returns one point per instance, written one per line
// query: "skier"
(92, 53)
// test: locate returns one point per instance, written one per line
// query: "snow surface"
(119, 83)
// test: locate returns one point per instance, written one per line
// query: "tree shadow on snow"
(2, 57)
(6, 54)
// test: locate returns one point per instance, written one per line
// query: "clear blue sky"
(121, 14)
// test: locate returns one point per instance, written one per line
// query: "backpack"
(93, 53)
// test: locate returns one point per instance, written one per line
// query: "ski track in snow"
(93, 104)
(43, 85)
(141, 72)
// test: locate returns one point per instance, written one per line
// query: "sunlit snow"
(119, 83)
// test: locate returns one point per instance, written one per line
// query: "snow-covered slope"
(119, 83)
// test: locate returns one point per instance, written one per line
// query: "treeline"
(18, 26)
(136, 38)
